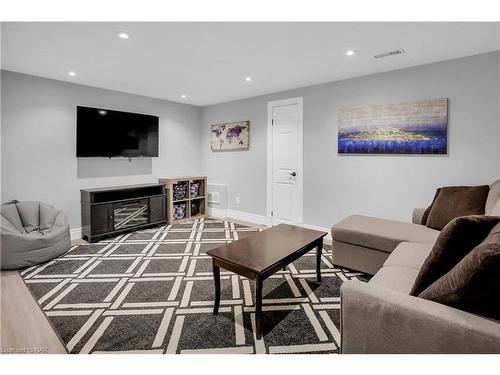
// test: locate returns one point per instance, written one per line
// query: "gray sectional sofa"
(363, 243)
(380, 316)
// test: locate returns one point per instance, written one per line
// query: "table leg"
(318, 259)
(216, 271)
(258, 306)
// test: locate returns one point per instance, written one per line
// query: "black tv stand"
(111, 211)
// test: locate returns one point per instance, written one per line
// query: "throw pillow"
(456, 201)
(425, 215)
(454, 242)
(473, 285)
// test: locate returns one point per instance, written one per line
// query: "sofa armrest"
(416, 217)
(375, 319)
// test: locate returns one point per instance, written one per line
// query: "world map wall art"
(230, 136)
(407, 128)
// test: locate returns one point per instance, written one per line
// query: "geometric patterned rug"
(152, 291)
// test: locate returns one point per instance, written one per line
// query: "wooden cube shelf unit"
(186, 198)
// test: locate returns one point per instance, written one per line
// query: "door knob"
(292, 174)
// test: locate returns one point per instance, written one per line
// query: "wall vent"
(390, 53)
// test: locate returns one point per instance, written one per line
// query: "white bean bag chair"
(32, 233)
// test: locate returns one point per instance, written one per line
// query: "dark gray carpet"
(153, 291)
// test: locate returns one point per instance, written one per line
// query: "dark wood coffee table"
(262, 254)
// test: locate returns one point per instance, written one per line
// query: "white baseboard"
(217, 212)
(251, 218)
(258, 219)
(238, 215)
(75, 233)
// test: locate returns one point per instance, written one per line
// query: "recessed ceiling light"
(248, 79)
(183, 96)
(123, 35)
(350, 52)
(72, 74)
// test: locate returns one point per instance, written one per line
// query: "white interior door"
(286, 160)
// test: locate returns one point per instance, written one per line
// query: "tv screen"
(103, 132)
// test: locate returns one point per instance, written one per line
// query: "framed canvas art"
(407, 128)
(230, 136)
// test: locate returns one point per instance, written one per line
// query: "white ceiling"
(209, 61)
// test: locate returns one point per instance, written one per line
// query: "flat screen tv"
(107, 133)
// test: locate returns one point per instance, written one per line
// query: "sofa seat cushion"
(381, 234)
(396, 278)
(409, 254)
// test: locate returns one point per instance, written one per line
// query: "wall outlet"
(237, 200)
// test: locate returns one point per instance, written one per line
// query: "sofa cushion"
(473, 285)
(395, 278)
(456, 201)
(380, 234)
(427, 211)
(456, 240)
(358, 258)
(409, 254)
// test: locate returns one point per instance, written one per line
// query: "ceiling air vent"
(390, 53)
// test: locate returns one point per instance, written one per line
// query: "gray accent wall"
(380, 185)
(39, 141)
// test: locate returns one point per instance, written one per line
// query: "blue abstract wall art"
(407, 128)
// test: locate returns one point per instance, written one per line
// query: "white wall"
(498, 104)
(39, 141)
(39, 163)
(387, 186)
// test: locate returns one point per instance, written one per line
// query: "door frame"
(300, 164)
